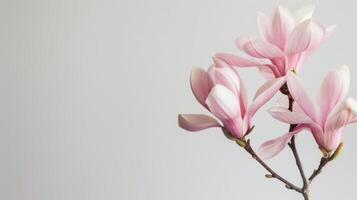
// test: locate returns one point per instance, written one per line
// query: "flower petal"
(237, 82)
(267, 73)
(237, 61)
(333, 90)
(299, 39)
(200, 85)
(225, 76)
(282, 24)
(304, 13)
(264, 26)
(264, 94)
(196, 122)
(300, 96)
(273, 147)
(259, 48)
(346, 113)
(223, 103)
(286, 116)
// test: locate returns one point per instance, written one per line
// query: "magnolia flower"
(327, 126)
(221, 91)
(287, 40)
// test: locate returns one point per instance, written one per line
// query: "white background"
(90, 91)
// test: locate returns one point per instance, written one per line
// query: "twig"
(305, 188)
(292, 145)
(317, 171)
(288, 184)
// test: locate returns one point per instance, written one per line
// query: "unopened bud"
(269, 176)
(337, 151)
(241, 142)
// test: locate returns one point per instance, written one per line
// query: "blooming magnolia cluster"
(286, 41)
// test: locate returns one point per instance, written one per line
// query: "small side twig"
(317, 171)
(328, 157)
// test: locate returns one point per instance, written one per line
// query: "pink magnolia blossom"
(286, 41)
(221, 91)
(327, 125)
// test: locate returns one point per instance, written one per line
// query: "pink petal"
(285, 115)
(273, 147)
(236, 81)
(304, 13)
(266, 72)
(283, 102)
(331, 140)
(259, 48)
(225, 76)
(242, 94)
(333, 90)
(196, 122)
(346, 113)
(317, 35)
(234, 60)
(300, 96)
(200, 85)
(223, 103)
(282, 24)
(264, 94)
(237, 61)
(264, 26)
(299, 39)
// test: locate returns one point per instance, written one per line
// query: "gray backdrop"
(90, 92)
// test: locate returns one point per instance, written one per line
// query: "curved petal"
(266, 72)
(332, 139)
(200, 85)
(317, 35)
(300, 96)
(225, 76)
(286, 116)
(333, 90)
(282, 24)
(234, 81)
(259, 48)
(304, 13)
(273, 147)
(223, 103)
(264, 26)
(347, 113)
(264, 94)
(196, 122)
(237, 61)
(242, 95)
(299, 39)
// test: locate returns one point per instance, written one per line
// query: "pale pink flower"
(222, 92)
(286, 41)
(327, 125)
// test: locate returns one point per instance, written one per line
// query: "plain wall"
(90, 91)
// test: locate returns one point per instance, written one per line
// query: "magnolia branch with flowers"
(287, 40)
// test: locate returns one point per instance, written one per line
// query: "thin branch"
(292, 145)
(288, 184)
(298, 161)
(317, 171)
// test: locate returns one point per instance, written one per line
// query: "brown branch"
(292, 145)
(305, 188)
(288, 184)
(317, 171)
